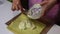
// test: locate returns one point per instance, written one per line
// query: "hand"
(16, 5)
(47, 5)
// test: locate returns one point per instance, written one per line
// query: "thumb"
(43, 3)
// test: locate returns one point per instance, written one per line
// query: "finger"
(13, 8)
(16, 7)
(19, 7)
(24, 9)
(43, 3)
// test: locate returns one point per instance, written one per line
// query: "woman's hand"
(16, 5)
(47, 5)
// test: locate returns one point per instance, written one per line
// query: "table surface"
(7, 14)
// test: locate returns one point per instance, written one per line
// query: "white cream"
(22, 25)
(26, 24)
